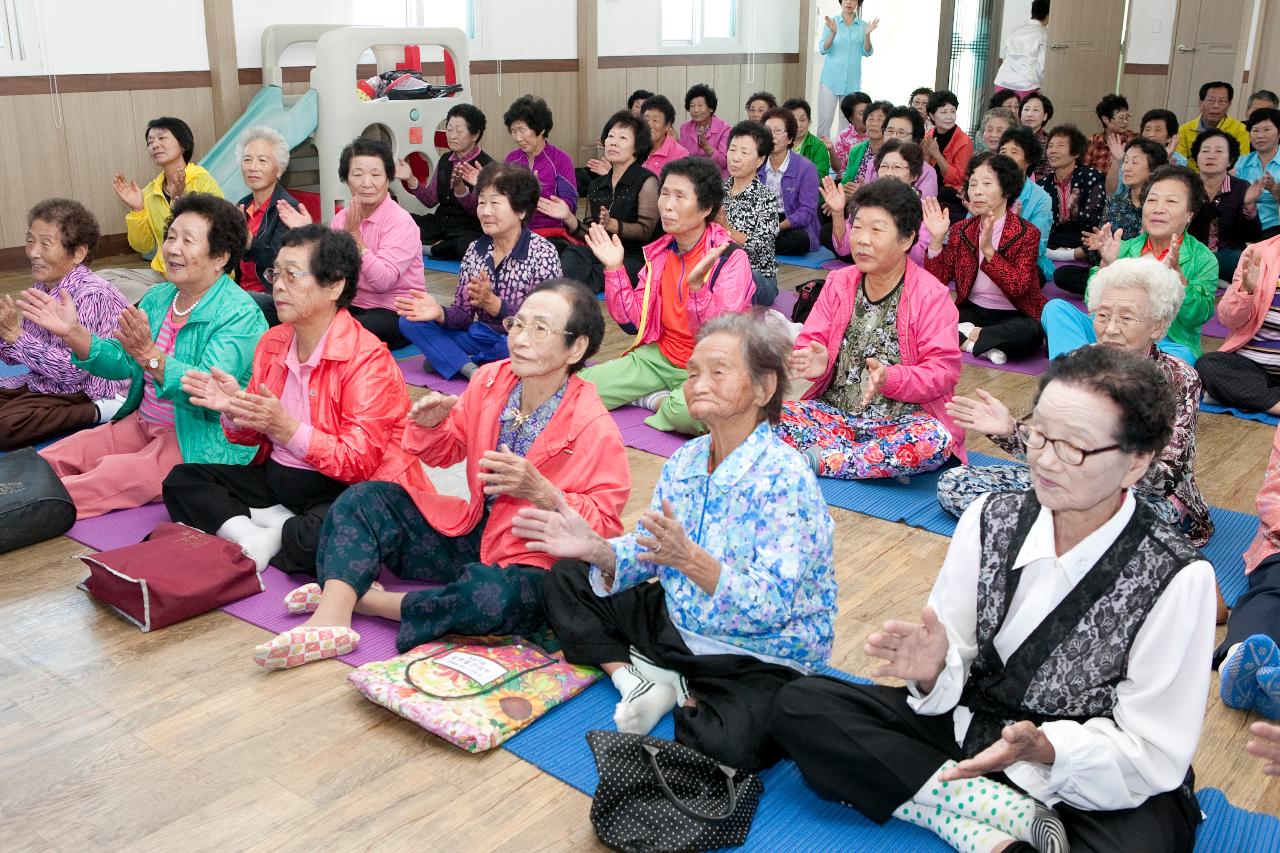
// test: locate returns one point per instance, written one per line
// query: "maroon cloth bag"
(176, 573)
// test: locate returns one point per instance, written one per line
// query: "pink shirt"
(986, 293)
(295, 397)
(662, 155)
(393, 265)
(153, 407)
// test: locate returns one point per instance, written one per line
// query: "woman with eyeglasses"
(1131, 303)
(495, 275)
(324, 408)
(1056, 680)
(532, 434)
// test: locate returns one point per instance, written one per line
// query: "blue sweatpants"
(447, 350)
(1066, 328)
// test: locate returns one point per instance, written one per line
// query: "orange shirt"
(676, 343)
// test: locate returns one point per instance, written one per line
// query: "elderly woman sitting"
(1020, 145)
(494, 277)
(264, 156)
(751, 211)
(1056, 684)
(529, 121)
(324, 409)
(693, 273)
(531, 433)
(991, 257)
(385, 233)
(55, 396)
(740, 541)
(1228, 220)
(1245, 371)
(199, 320)
(448, 230)
(881, 350)
(896, 160)
(1132, 302)
(705, 134)
(794, 180)
(171, 146)
(1078, 192)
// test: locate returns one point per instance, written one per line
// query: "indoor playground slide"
(295, 123)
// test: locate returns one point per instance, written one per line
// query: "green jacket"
(1200, 267)
(222, 331)
(816, 153)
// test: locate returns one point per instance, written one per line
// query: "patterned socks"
(1249, 678)
(643, 701)
(1010, 813)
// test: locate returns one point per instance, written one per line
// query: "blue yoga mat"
(12, 369)
(406, 351)
(441, 266)
(916, 504)
(813, 260)
(1260, 417)
(792, 817)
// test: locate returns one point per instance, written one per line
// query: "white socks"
(1060, 255)
(259, 544)
(270, 516)
(653, 401)
(648, 692)
(1008, 813)
(108, 407)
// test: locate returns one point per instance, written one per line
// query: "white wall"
(1151, 25)
(633, 28)
(94, 37)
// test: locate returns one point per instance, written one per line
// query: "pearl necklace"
(178, 313)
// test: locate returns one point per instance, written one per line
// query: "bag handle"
(488, 688)
(652, 751)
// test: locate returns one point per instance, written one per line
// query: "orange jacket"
(580, 451)
(358, 402)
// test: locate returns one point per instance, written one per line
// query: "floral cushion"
(473, 692)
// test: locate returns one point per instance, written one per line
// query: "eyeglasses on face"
(537, 330)
(1069, 453)
(284, 276)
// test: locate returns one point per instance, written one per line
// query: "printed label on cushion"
(473, 692)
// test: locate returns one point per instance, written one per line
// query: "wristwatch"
(153, 363)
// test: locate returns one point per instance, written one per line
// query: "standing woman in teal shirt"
(845, 41)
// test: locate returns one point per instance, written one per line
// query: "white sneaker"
(108, 407)
(653, 401)
(995, 356)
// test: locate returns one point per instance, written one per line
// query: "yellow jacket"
(146, 227)
(1188, 132)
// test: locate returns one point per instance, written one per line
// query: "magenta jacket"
(927, 320)
(717, 138)
(729, 288)
(1241, 313)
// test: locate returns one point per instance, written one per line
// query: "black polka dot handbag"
(658, 795)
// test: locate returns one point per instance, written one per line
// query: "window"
(694, 22)
(460, 14)
(19, 37)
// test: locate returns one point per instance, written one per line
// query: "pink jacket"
(393, 265)
(1267, 540)
(1241, 313)
(729, 287)
(927, 338)
(580, 451)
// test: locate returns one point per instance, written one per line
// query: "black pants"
(580, 264)
(1066, 235)
(447, 237)
(793, 241)
(733, 693)
(1257, 611)
(863, 745)
(205, 496)
(826, 239)
(1072, 279)
(1236, 381)
(383, 322)
(1012, 332)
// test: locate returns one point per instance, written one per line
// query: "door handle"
(1059, 45)
(1182, 48)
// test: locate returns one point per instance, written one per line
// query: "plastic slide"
(295, 123)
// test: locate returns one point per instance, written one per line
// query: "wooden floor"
(114, 739)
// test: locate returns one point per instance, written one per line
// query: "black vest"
(622, 200)
(448, 208)
(1069, 666)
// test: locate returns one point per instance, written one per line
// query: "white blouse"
(1101, 764)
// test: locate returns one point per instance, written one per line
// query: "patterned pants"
(377, 524)
(849, 447)
(961, 486)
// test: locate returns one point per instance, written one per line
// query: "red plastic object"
(412, 59)
(415, 136)
(450, 70)
(442, 141)
(311, 201)
(419, 165)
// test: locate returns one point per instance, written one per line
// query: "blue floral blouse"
(763, 517)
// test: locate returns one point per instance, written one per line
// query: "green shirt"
(1200, 267)
(812, 149)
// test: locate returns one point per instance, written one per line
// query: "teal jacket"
(1200, 266)
(222, 331)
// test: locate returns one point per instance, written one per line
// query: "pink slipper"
(305, 645)
(304, 599)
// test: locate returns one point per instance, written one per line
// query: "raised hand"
(911, 651)
(419, 307)
(10, 320)
(431, 408)
(599, 166)
(831, 24)
(505, 473)
(1269, 184)
(355, 215)
(214, 390)
(1022, 741)
(293, 217)
(605, 246)
(555, 207)
(606, 220)
(128, 192)
(985, 243)
(931, 150)
(1252, 194)
(57, 316)
(469, 172)
(1115, 145)
(986, 414)
(876, 374)
(871, 27)
(1108, 244)
(809, 362)
(133, 331)
(1171, 259)
(698, 275)
(403, 171)
(262, 412)
(667, 543)
(1251, 264)
(559, 531)
(480, 294)
(937, 219)
(832, 194)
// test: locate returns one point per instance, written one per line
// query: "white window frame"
(22, 19)
(699, 41)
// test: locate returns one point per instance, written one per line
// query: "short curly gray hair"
(1000, 113)
(279, 147)
(765, 351)
(1163, 286)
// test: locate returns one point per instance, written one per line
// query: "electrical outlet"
(1157, 25)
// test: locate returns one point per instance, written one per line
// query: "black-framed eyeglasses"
(538, 331)
(1069, 453)
(287, 277)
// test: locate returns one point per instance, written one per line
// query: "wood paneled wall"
(1146, 88)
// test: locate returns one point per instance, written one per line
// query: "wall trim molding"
(662, 59)
(109, 245)
(1145, 70)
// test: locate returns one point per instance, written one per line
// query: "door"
(1206, 40)
(1083, 60)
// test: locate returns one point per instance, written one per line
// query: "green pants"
(643, 371)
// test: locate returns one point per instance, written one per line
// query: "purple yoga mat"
(834, 264)
(785, 302)
(120, 528)
(1033, 366)
(1052, 291)
(415, 373)
(636, 433)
